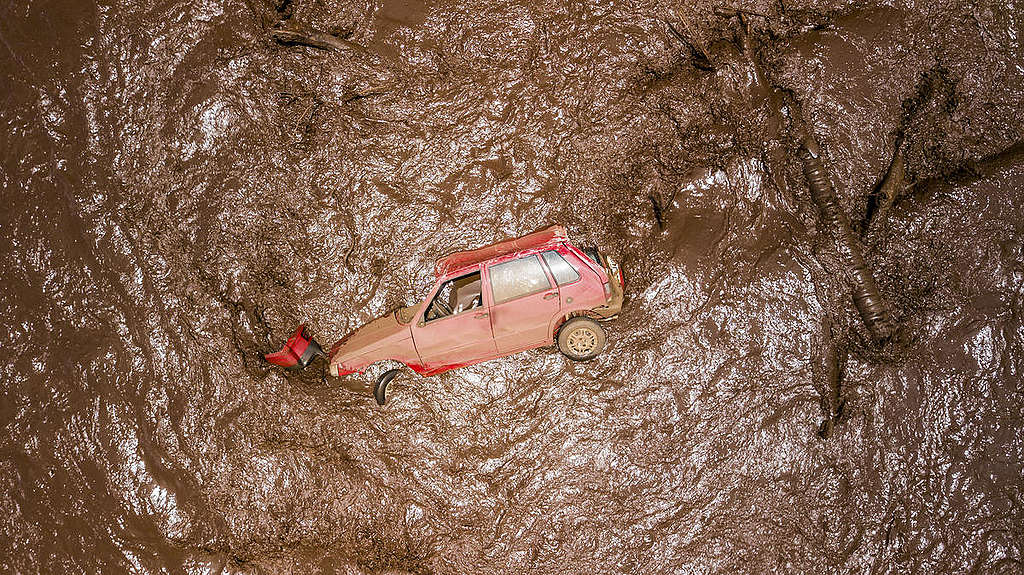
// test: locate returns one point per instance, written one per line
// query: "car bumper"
(617, 284)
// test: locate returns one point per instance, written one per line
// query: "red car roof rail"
(550, 235)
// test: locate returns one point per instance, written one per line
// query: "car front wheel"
(380, 375)
(581, 339)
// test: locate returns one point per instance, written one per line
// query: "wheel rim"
(581, 341)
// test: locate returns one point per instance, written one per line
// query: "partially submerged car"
(511, 296)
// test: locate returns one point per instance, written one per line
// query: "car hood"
(370, 336)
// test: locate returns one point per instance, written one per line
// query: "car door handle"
(551, 295)
(481, 315)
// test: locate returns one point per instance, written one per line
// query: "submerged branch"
(888, 189)
(315, 39)
(866, 296)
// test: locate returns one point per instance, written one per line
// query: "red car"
(490, 302)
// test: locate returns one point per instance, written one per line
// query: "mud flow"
(815, 376)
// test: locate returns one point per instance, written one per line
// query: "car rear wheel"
(581, 339)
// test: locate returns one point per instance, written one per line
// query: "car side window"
(518, 278)
(562, 270)
(455, 296)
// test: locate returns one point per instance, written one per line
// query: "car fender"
(563, 317)
(388, 355)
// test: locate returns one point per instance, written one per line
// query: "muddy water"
(179, 191)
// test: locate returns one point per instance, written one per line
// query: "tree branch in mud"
(828, 363)
(366, 92)
(867, 298)
(315, 39)
(730, 12)
(887, 191)
(698, 52)
(658, 217)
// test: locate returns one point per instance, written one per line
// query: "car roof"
(549, 236)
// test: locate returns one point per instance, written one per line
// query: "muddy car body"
(492, 302)
(511, 296)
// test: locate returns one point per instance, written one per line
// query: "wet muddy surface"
(184, 182)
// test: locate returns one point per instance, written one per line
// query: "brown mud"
(181, 189)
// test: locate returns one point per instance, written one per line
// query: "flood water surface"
(181, 189)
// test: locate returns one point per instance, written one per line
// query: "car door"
(524, 300)
(454, 328)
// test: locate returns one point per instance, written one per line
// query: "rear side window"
(518, 278)
(562, 270)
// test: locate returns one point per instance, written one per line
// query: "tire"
(380, 375)
(581, 339)
(380, 389)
